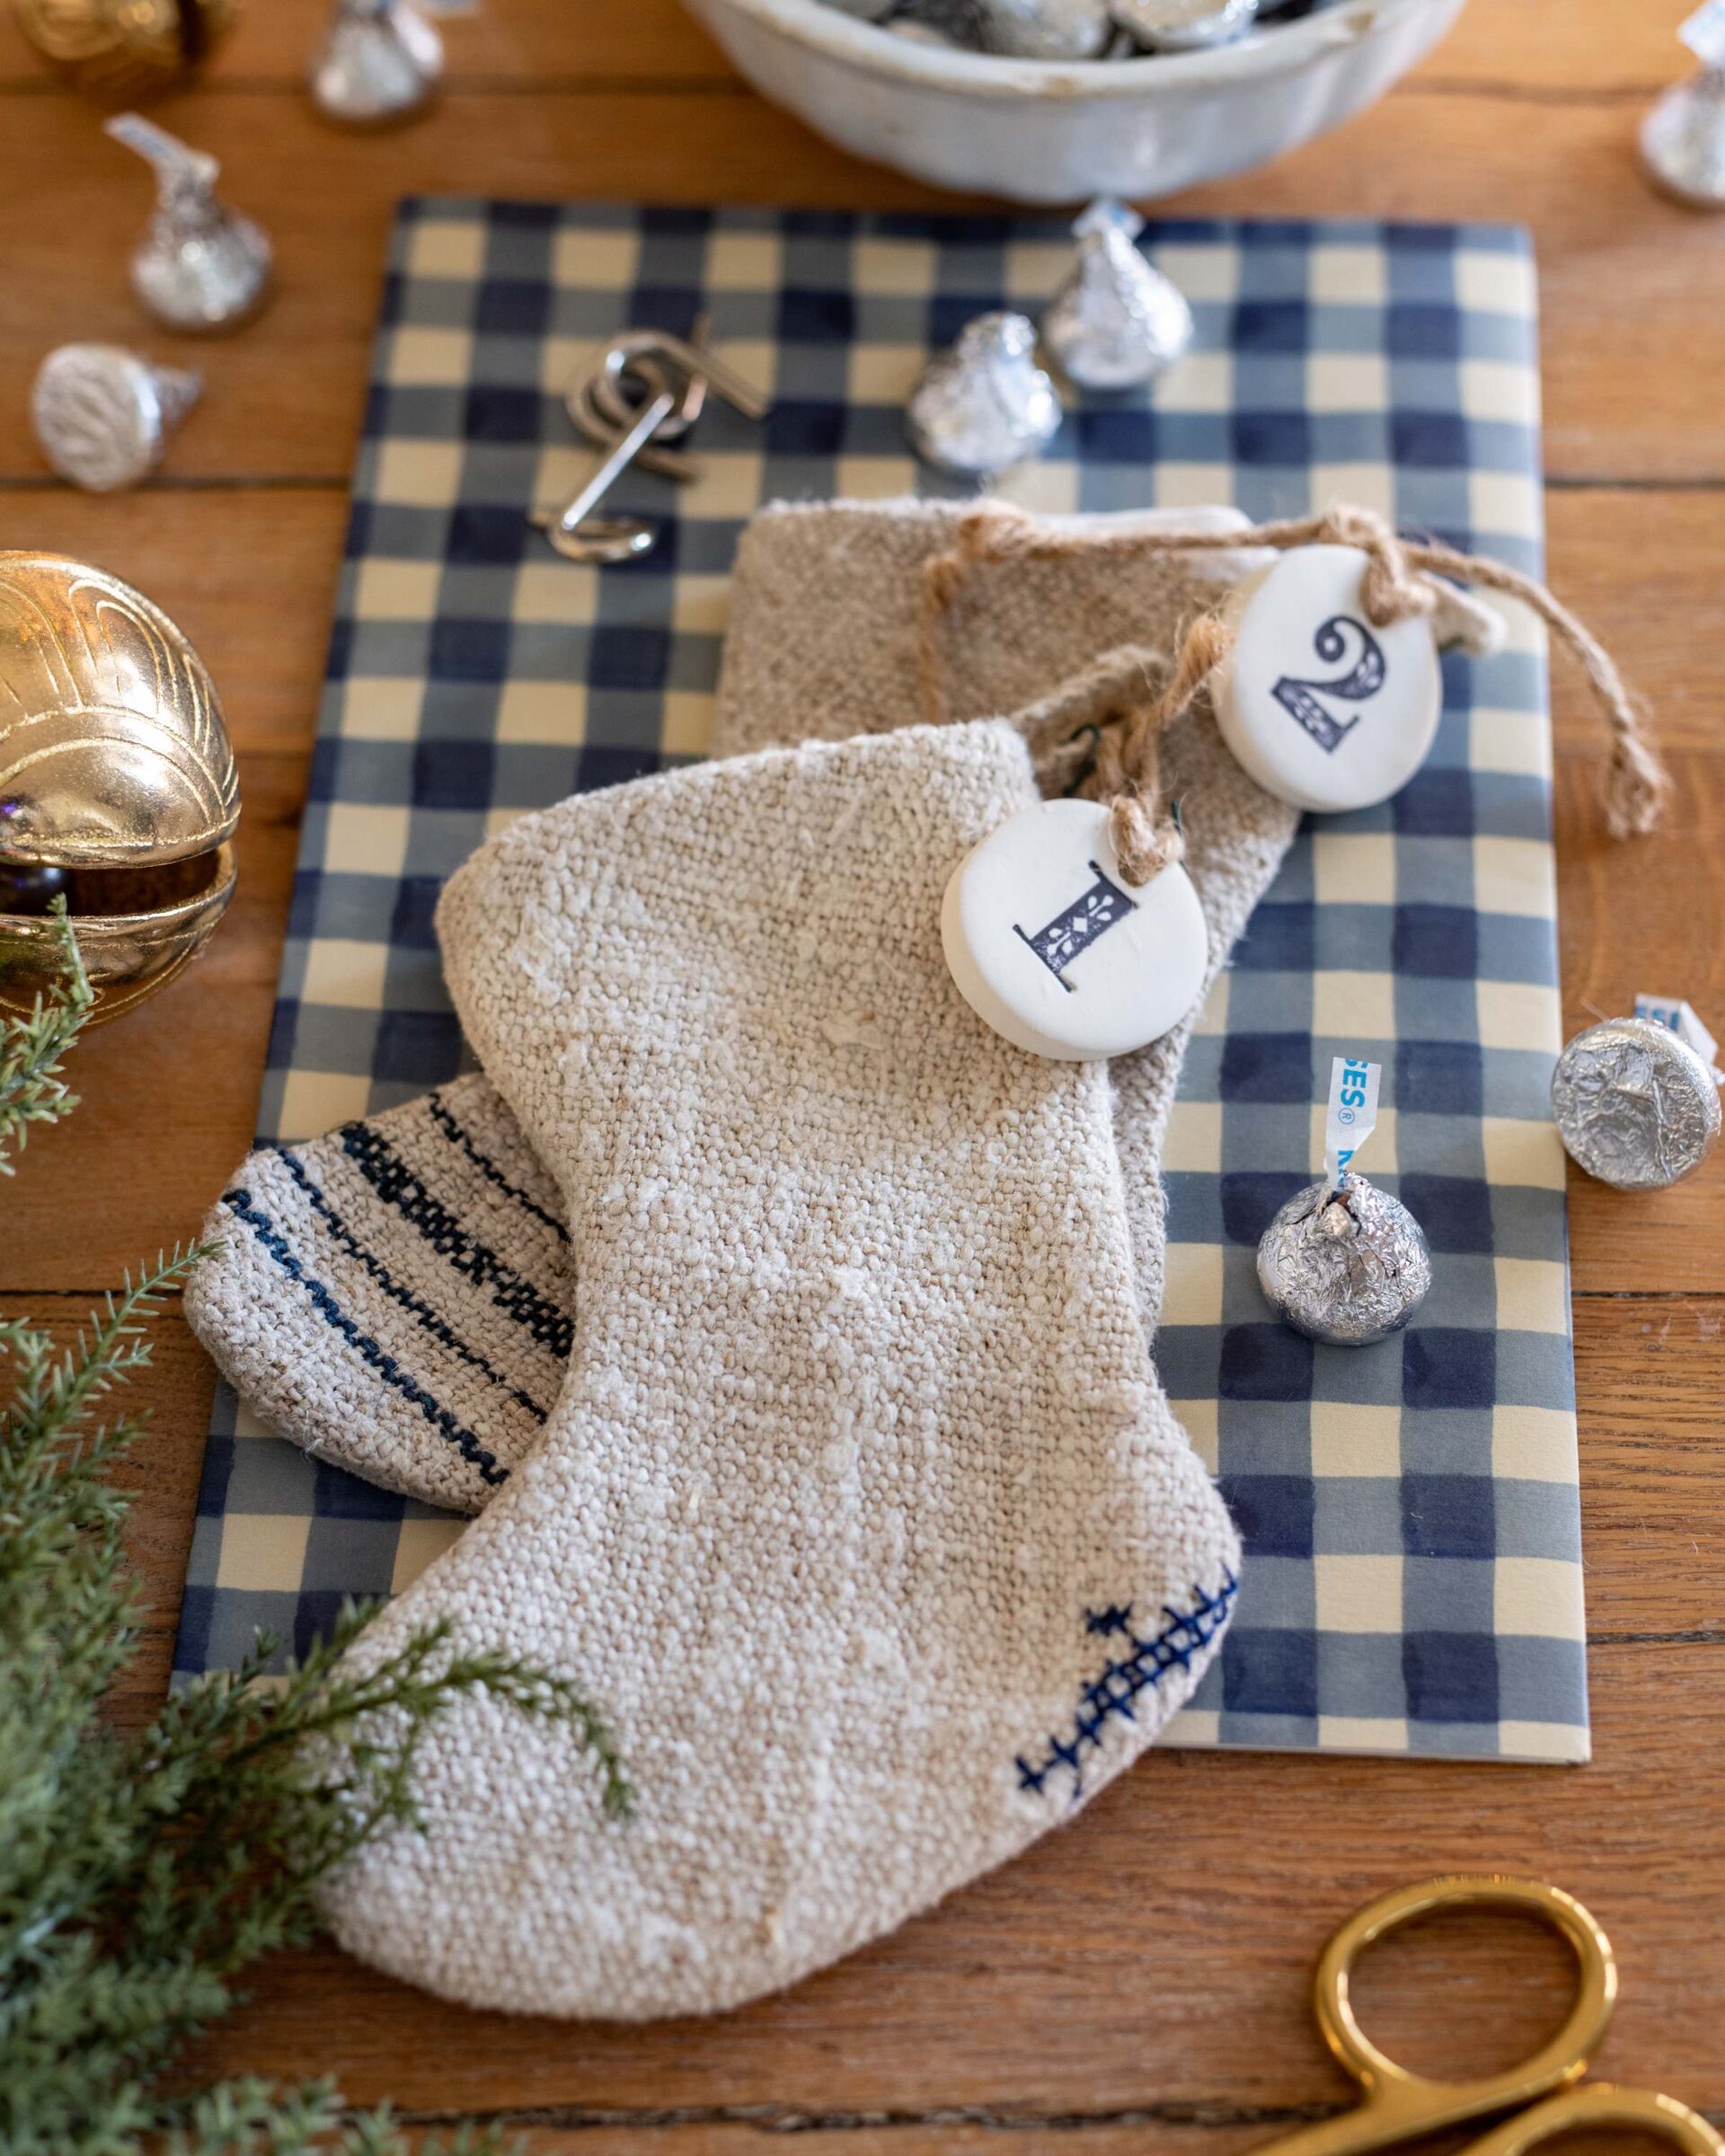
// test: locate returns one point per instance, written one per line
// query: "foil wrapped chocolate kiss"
(1348, 1266)
(118, 790)
(1634, 1104)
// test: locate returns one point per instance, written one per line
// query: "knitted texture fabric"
(386, 1297)
(862, 1517)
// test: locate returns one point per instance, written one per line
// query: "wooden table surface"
(1137, 1981)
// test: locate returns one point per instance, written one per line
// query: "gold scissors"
(1398, 2106)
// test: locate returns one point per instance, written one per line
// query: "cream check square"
(264, 1551)
(1355, 1007)
(1518, 743)
(1200, 382)
(875, 478)
(901, 268)
(550, 589)
(1193, 1142)
(350, 974)
(1523, 1151)
(1534, 1444)
(1537, 1597)
(1533, 1294)
(248, 1425)
(1212, 1012)
(417, 1543)
(364, 840)
(1049, 488)
(1501, 389)
(1350, 1440)
(1358, 1594)
(437, 358)
(1507, 505)
(1363, 1732)
(375, 708)
(1346, 382)
(883, 373)
(1354, 867)
(1494, 284)
(687, 726)
(1202, 273)
(451, 250)
(1035, 271)
(1193, 1293)
(1515, 876)
(701, 604)
(553, 713)
(396, 591)
(604, 261)
(728, 485)
(1346, 276)
(1365, 485)
(420, 475)
(1198, 1419)
(1518, 1014)
(1182, 486)
(1543, 1743)
(1193, 1727)
(316, 1102)
(744, 261)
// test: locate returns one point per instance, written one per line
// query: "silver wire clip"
(638, 398)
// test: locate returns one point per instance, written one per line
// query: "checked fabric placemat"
(1411, 1514)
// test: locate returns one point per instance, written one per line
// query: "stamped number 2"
(1362, 681)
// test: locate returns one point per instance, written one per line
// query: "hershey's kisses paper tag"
(1704, 33)
(1677, 1016)
(1352, 1116)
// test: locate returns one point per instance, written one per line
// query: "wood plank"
(1627, 278)
(1582, 48)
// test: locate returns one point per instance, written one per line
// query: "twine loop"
(1403, 580)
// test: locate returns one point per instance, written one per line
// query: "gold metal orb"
(118, 788)
(124, 50)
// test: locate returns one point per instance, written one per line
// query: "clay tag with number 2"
(1326, 710)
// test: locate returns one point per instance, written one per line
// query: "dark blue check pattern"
(1413, 1577)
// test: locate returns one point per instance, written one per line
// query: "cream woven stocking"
(860, 1517)
(397, 1297)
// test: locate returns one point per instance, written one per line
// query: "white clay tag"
(1323, 710)
(1052, 948)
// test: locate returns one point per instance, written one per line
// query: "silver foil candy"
(1635, 1105)
(381, 62)
(1346, 1266)
(103, 415)
(198, 267)
(1116, 323)
(1682, 140)
(985, 405)
(1046, 30)
(1184, 25)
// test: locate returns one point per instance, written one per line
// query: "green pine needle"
(141, 1875)
(31, 1048)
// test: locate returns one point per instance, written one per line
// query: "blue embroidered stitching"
(432, 1320)
(1125, 1677)
(397, 1184)
(457, 1135)
(464, 1440)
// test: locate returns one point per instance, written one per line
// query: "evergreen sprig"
(31, 1087)
(141, 1874)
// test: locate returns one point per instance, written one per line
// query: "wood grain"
(1137, 1984)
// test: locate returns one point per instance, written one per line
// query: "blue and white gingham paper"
(1413, 1580)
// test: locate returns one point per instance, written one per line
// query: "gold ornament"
(117, 784)
(125, 50)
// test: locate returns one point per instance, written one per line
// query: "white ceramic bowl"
(1043, 131)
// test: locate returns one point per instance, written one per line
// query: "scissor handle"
(1403, 2097)
(1602, 2104)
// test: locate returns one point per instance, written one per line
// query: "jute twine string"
(1397, 585)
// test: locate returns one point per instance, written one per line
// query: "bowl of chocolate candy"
(1057, 101)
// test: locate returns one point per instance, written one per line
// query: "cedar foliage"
(142, 1873)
